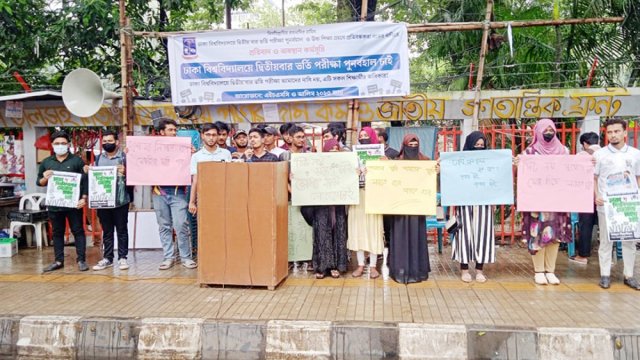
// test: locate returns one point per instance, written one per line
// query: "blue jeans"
(171, 212)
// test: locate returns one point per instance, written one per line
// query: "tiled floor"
(509, 298)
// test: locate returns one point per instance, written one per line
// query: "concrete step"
(72, 337)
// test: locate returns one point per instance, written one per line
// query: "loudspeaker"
(83, 93)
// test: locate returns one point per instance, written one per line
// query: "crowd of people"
(338, 230)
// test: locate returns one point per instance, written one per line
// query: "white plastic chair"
(32, 202)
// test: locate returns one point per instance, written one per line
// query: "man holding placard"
(113, 214)
(66, 196)
(617, 176)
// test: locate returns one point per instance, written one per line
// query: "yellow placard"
(401, 187)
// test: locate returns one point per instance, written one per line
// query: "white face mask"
(60, 149)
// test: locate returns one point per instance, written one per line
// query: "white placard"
(63, 189)
(13, 109)
(270, 113)
(102, 187)
(334, 61)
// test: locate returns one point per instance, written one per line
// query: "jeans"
(171, 212)
(115, 218)
(585, 224)
(59, 224)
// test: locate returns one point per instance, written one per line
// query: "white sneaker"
(553, 279)
(166, 264)
(189, 264)
(540, 279)
(102, 264)
(123, 264)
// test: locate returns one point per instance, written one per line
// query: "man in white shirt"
(210, 152)
(617, 172)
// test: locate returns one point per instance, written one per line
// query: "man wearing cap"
(242, 141)
(271, 141)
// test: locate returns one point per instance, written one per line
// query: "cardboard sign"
(401, 187)
(63, 189)
(555, 183)
(324, 179)
(102, 187)
(483, 177)
(158, 160)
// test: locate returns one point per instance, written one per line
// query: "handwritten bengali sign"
(555, 183)
(158, 160)
(482, 177)
(324, 179)
(102, 187)
(63, 189)
(300, 236)
(401, 187)
(622, 206)
(332, 61)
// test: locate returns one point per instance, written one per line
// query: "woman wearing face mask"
(365, 230)
(329, 234)
(544, 231)
(475, 241)
(408, 256)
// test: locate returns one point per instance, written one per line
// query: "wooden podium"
(242, 223)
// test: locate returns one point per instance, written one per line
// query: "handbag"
(453, 224)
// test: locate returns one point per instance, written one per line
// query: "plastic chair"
(433, 223)
(32, 202)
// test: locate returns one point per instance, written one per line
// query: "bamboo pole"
(439, 27)
(483, 55)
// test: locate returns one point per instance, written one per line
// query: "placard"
(480, 177)
(333, 61)
(102, 187)
(555, 183)
(622, 207)
(401, 187)
(158, 160)
(324, 179)
(369, 152)
(63, 189)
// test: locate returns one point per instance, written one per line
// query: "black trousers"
(586, 222)
(110, 219)
(59, 224)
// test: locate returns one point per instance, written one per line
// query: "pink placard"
(555, 183)
(158, 160)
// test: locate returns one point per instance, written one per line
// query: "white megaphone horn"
(83, 93)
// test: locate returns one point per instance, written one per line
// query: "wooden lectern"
(242, 223)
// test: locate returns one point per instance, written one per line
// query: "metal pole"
(483, 54)
(124, 73)
(283, 20)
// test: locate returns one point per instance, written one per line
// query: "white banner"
(335, 61)
(102, 187)
(63, 189)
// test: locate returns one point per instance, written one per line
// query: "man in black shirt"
(257, 151)
(383, 138)
(63, 160)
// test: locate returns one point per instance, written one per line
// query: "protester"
(223, 133)
(63, 160)
(475, 239)
(286, 137)
(171, 206)
(210, 151)
(544, 231)
(271, 141)
(337, 134)
(257, 151)
(383, 138)
(297, 144)
(408, 256)
(586, 221)
(241, 141)
(615, 162)
(366, 232)
(117, 217)
(329, 235)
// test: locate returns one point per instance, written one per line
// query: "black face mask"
(109, 147)
(365, 141)
(548, 137)
(479, 148)
(411, 152)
